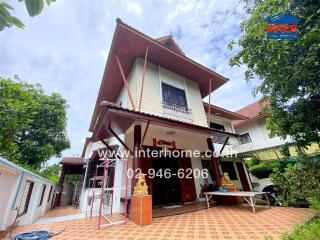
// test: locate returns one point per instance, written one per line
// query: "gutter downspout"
(17, 192)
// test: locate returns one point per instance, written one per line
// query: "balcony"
(176, 110)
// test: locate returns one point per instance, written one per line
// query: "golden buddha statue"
(225, 181)
(141, 188)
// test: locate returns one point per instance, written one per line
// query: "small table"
(249, 197)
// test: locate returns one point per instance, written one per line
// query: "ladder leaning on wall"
(107, 193)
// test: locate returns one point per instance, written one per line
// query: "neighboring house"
(151, 97)
(24, 195)
(254, 137)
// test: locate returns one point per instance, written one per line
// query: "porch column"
(214, 162)
(136, 148)
(60, 185)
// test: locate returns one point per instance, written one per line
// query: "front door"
(188, 190)
(165, 190)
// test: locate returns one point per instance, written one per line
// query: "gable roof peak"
(169, 42)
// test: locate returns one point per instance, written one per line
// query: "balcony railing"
(175, 108)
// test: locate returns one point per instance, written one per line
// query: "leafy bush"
(314, 201)
(252, 161)
(299, 183)
(309, 231)
(264, 169)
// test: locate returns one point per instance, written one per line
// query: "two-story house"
(151, 97)
(255, 139)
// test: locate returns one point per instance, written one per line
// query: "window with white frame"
(174, 95)
(245, 138)
(174, 99)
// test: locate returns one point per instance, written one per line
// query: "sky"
(65, 48)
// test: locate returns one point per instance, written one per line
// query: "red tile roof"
(128, 44)
(223, 112)
(252, 112)
(72, 161)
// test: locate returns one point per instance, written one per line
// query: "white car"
(265, 185)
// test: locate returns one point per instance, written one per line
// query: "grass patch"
(308, 231)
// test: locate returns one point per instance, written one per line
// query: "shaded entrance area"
(160, 182)
(70, 183)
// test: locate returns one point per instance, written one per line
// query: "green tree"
(289, 69)
(51, 172)
(32, 124)
(34, 7)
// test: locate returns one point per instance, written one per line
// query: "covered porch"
(134, 131)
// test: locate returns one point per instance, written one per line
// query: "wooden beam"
(125, 82)
(224, 144)
(209, 110)
(144, 134)
(109, 148)
(136, 161)
(120, 140)
(215, 163)
(143, 76)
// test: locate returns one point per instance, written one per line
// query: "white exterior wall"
(119, 181)
(12, 181)
(259, 135)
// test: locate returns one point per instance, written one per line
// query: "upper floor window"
(217, 126)
(244, 138)
(174, 95)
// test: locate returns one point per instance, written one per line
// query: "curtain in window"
(173, 95)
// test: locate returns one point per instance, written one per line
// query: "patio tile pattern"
(61, 211)
(221, 222)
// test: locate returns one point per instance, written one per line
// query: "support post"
(119, 139)
(125, 82)
(136, 158)
(110, 149)
(144, 134)
(143, 75)
(60, 185)
(214, 162)
(224, 144)
(209, 110)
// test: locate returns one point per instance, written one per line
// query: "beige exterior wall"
(152, 96)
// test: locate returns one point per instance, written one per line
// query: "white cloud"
(133, 7)
(65, 48)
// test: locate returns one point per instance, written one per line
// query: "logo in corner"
(282, 26)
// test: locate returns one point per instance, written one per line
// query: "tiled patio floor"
(61, 211)
(219, 222)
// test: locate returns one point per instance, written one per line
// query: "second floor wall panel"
(152, 92)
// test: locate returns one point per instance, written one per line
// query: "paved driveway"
(221, 222)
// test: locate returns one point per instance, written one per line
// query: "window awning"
(120, 119)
